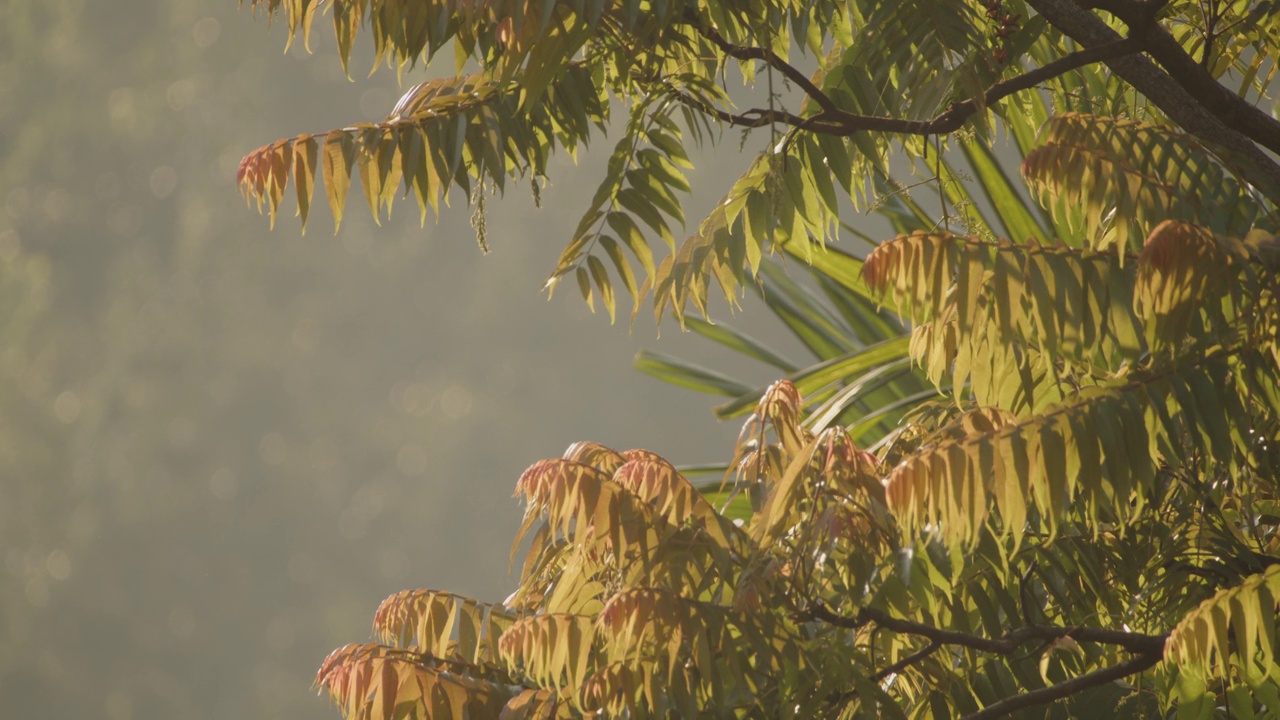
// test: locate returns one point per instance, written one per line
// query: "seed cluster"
(1003, 25)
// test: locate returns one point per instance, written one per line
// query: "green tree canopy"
(1074, 499)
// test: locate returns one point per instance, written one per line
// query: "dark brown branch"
(1003, 645)
(754, 118)
(1067, 687)
(1149, 650)
(769, 57)
(907, 661)
(1233, 110)
(956, 115)
(840, 699)
(1165, 92)
(1210, 34)
(835, 121)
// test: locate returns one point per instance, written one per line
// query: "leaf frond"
(373, 682)
(1112, 181)
(442, 624)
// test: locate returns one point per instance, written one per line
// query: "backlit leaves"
(986, 313)
(547, 70)
(640, 189)
(1236, 628)
(641, 598)
(372, 682)
(1112, 181)
(920, 55)
(443, 624)
(1181, 301)
(538, 35)
(442, 134)
(644, 601)
(990, 312)
(780, 201)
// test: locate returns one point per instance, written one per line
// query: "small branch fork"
(831, 120)
(1148, 651)
(767, 56)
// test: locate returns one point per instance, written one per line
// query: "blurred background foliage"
(220, 447)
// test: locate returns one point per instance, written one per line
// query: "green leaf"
(621, 265)
(741, 342)
(1011, 207)
(584, 286)
(826, 414)
(802, 312)
(305, 151)
(629, 232)
(601, 278)
(810, 380)
(686, 374)
(838, 265)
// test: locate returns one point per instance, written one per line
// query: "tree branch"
(956, 115)
(1067, 687)
(754, 118)
(1179, 105)
(1149, 650)
(739, 52)
(1233, 110)
(841, 123)
(1003, 645)
(903, 664)
(907, 661)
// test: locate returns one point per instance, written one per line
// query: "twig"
(1067, 687)
(907, 661)
(903, 664)
(771, 58)
(753, 118)
(1003, 645)
(834, 121)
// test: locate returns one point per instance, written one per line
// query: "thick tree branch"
(1233, 110)
(1165, 92)
(1067, 688)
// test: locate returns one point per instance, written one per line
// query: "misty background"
(221, 446)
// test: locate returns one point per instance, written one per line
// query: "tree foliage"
(1072, 501)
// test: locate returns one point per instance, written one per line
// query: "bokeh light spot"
(67, 406)
(456, 402)
(58, 564)
(206, 31)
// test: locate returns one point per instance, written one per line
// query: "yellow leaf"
(305, 149)
(339, 153)
(601, 277)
